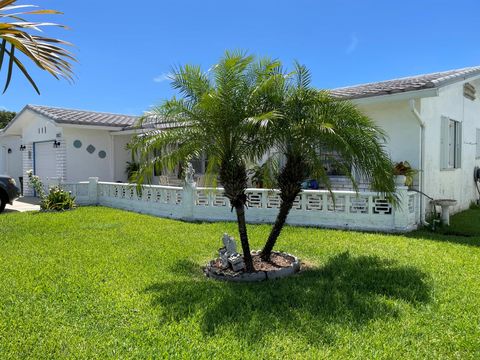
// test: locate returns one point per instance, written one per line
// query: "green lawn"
(103, 283)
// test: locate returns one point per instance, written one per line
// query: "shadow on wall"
(347, 291)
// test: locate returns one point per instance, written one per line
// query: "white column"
(93, 191)
(400, 213)
(188, 199)
(27, 166)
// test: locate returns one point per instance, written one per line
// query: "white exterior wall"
(40, 129)
(403, 130)
(80, 163)
(121, 157)
(11, 164)
(455, 184)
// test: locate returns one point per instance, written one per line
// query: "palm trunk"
(242, 229)
(233, 175)
(289, 181)
(285, 208)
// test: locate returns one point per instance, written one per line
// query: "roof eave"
(400, 96)
(90, 126)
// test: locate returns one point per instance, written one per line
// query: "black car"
(8, 191)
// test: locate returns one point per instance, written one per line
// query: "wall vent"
(469, 91)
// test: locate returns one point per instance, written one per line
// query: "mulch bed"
(280, 265)
(277, 261)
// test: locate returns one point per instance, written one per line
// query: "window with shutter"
(451, 144)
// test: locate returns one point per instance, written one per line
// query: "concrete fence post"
(93, 191)
(401, 221)
(188, 199)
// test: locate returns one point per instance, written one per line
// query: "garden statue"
(189, 173)
(229, 255)
(229, 244)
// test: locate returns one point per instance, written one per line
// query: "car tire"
(3, 203)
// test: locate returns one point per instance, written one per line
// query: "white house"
(65, 145)
(432, 121)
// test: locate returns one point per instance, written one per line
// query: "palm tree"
(46, 53)
(219, 114)
(314, 121)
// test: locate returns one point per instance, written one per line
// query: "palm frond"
(48, 54)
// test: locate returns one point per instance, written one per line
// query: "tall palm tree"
(219, 114)
(313, 121)
(47, 53)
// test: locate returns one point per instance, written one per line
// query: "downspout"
(421, 174)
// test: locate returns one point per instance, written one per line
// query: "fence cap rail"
(143, 186)
(249, 190)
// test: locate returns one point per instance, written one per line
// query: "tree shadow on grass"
(453, 236)
(347, 291)
(464, 230)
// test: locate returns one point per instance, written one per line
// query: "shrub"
(57, 198)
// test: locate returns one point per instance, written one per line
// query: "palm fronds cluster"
(19, 35)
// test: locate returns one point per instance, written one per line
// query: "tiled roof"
(82, 117)
(412, 83)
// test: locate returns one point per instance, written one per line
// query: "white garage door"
(45, 163)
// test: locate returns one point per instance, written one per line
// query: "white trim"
(408, 95)
(87, 127)
(130, 132)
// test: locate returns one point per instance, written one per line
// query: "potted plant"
(404, 173)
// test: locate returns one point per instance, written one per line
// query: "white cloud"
(352, 46)
(162, 77)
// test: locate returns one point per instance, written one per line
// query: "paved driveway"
(24, 204)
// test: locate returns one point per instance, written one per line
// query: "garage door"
(45, 162)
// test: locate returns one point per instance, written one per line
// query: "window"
(478, 144)
(451, 144)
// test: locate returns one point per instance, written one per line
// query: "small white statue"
(189, 173)
(229, 244)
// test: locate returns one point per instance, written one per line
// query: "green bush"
(57, 198)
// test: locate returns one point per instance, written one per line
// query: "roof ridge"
(471, 68)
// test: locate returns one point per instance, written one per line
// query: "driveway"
(24, 204)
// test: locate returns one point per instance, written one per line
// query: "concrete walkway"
(24, 204)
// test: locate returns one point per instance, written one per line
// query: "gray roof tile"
(82, 117)
(412, 83)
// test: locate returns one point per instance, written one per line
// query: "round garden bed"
(279, 266)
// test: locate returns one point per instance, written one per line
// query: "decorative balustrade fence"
(342, 209)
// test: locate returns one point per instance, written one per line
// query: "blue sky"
(125, 50)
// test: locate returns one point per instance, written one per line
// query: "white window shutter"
(444, 143)
(458, 144)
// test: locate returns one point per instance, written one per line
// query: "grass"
(103, 283)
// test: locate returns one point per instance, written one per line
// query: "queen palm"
(21, 35)
(219, 114)
(313, 122)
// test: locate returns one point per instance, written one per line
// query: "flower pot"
(400, 180)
